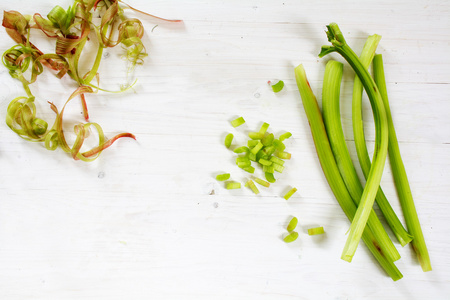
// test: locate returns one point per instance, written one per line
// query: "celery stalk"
(339, 45)
(392, 219)
(333, 125)
(399, 173)
(331, 170)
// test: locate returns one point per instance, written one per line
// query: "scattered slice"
(278, 168)
(241, 149)
(223, 177)
(255, 135)
(249, 169)
(252, 186)
(261, 182)
(285, 136)
(292, 224)
(269, 177)
(257, 148)
(228, 140)
(277, 160)
(316, 231)
(268, 139)
(264, 128)
(290, 193)
(237, 122)
(283, 155)
(277, 86)
(233, 185)
(265, 162)
(291, 237)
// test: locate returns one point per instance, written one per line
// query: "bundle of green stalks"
(355, 198)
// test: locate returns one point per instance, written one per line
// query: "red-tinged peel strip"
(100, 148)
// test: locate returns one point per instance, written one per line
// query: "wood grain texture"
(148, 220)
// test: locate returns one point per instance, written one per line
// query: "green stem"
(391, 217)
(399, 173)
(336, 37)
(331, 170)
(331, 115)
(95, 66)
(98, 58)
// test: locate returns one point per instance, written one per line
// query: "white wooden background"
(147, 220)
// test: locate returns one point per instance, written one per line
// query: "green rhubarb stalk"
(391, 217)
(399, 174)
(332, 173)
(339, 45)
(333, 125)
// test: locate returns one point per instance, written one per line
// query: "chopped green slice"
(252, 156)
(252, 186)
(249, 169)
(265, 162)
(316, 230)
(291, 237)
(228, 140)
(233, 185)
(278, 168)
(256, 149)
(255, 135)
(241, 149)
(268, 140)
(285, 136)
(252, 143)
(242, 159)
(261, 182)
(269, 150)
(283, 155)
(278, 86)
(223, 177)
(268, 169)
(292, 224)
(244, 164)
(277, 160)
(264, 128)
(279, 145)
(237, 122)
(269, 177)
(290, 193)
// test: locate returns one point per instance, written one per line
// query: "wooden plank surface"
(147, 220)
